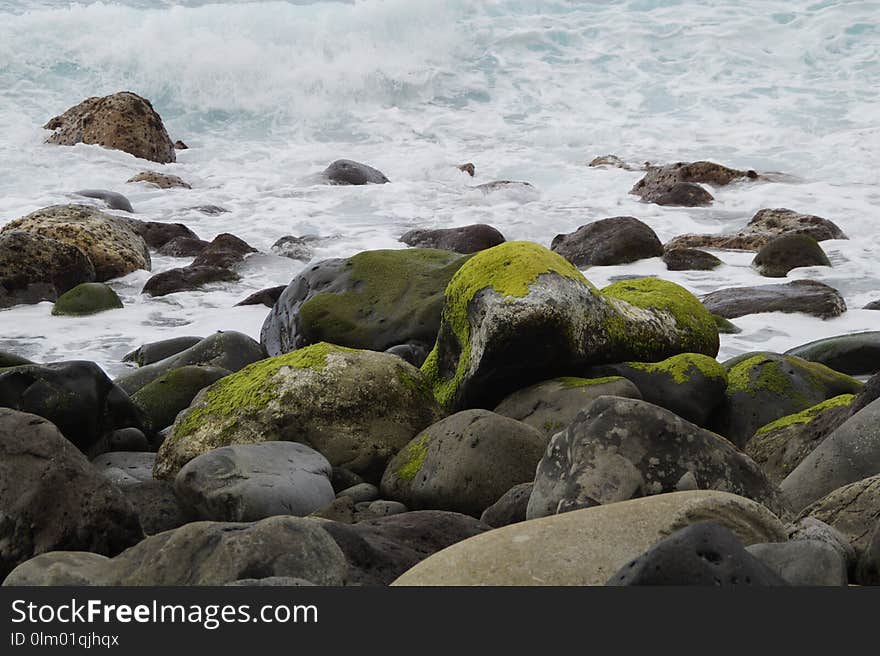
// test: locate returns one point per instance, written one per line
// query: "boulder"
(464, 463)
(162, 399)
(510, 508)
(850, 454)
(296, 248)
(158, 234)
(224, 349)
(155, 351)
(183, 247)
(248, 482)
(267, 297)
(803, 562)
(111, 199)
(810, 528)
(356, 408)
(764, 387)
(618, 240)
(613, 161)
(85, 299)
(51, 498)
(856, 354)
(676, 184)
(503, 185)
(124, 468)
(415, 354)
(464, 239)
(360, 493)
(122, 121)
(700, 554)
(160, 180)
(187, 279)
(34, 268)
(373, 300)
(852, 509)
(550, 406)
(111, 246)
(347, 172)
(157, 507)
(619, 449)
(586, 547)
(786, 252)
(690, 259)
(225, 251)
(807, 296)
(517, 314)
(868, 568)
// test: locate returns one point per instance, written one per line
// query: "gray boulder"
(852, 510)
(618, 240)
(804, 296)
(786, 252)
(856, 354)
(348, 172)
(803, 562)
(510, 508)
(464, 239)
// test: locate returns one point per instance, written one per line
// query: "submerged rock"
(85, 299)
(786, 252)
(348, 172)
(160, 180)
(677, 184)
(690, 259)
(187, 279)
(183, 247)
(112, 199)
(224, 251)
(158, 233)
(806, 296)
(464, 239)
(296, 248)
(618, 240)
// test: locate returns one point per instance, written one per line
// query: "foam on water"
(266, 94)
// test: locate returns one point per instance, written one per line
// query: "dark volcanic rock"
(618, 240)
(267, 297)
(122, 121)
(224, 251)
(807, 296)
(183, 247)
(347, 172)
(690, 259)
(787, 252)
(466, 239)
(155, 351)
(855, 354)
(112, 199)
(157, 233)
(186, 279)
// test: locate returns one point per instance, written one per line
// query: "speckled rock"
(160, 180)
(853, 510)
(665, 185)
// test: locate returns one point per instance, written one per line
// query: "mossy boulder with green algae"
(373, 300)
(87, 298)
(764, 387)
(357, 408)
(517, 314)
(690, 384)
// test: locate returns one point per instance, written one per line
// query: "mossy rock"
(517, 314)
(764, 387)
(855, 354)
(725, 326)
(357, 408)
(690, 384)
(161, 400)
(780, 446)
(373, 300)
(87, 298)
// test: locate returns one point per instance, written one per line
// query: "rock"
(415, 354)
(873, 305)
(618, 240)
(552, 405)
(8, 359)
(226, 350)
(179, 145)
(675, 184)
(125, 468)
(868, 569)
(850, 454)
(155, 351)
(85, 299)
(157, 507)
(380, 550)
(803, 562)
(701, 554)
(810, 528)
(111, 246)
(296, 248)
(852, 510)
(465, 239)
(122, 439)
(224, 251)
(248, 482)
(761, 229)
(279, 581)
(183, 247)
(690, 385)
(383, 508)
(112, 200)
(210, 210)
(360, 492)
(122, 121)
(267, 297)
(786, 252)
(160, 180)
(467, 168)
(341, 510)
(357, 408)
(510, 508)
(342, 479)
(157, 234)
(347, 172)
(781, 445)
(613, 161)
(807, 296)
(764, 387)
(500, 185)
(373, 300)
(856, 354)
(690, 259)
(463, 463)
(187, 279)
(726, 327)
(34, 268)
(619, 449)
(76, 396)
(52, 499)
(205, 553)
(586, 547)
(162, 399)
(517, 314)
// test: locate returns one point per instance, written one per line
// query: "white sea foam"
(266, 94)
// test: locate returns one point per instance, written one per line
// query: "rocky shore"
(465, 411)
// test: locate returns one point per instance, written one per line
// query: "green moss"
(808, 415)
(413, 458)
(772, 378)
(570, 382)
(509, 269)
(251, 387)
(683, 366)
(85, 299)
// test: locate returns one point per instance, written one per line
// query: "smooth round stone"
(361, 492)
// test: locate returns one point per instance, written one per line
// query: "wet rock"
(348, 172)
(296, 248)
(805, 296)
(683, 194)
(726, 327)
(465, 239)
(112, 247)
(803, 562)
(619, 449)
(510, 508)
(873, 305)
(160, 180)
(856, 354)
(86, 299)
(467, 168)
(690, 259)
(183, 247)
(112, 199)
(384, 508)
(618, 240)
(499, 185)
(787, 252)
(853, 510)
(225, 251)
(679, 184)
(161, 400)
(122, 121)
(187, 279)
(415, 354)
(155, 351)
(613, 161)
(179, 145)
(463, 463)
(210, 210)
(52, 499)
(267, 297)
(157, 233)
